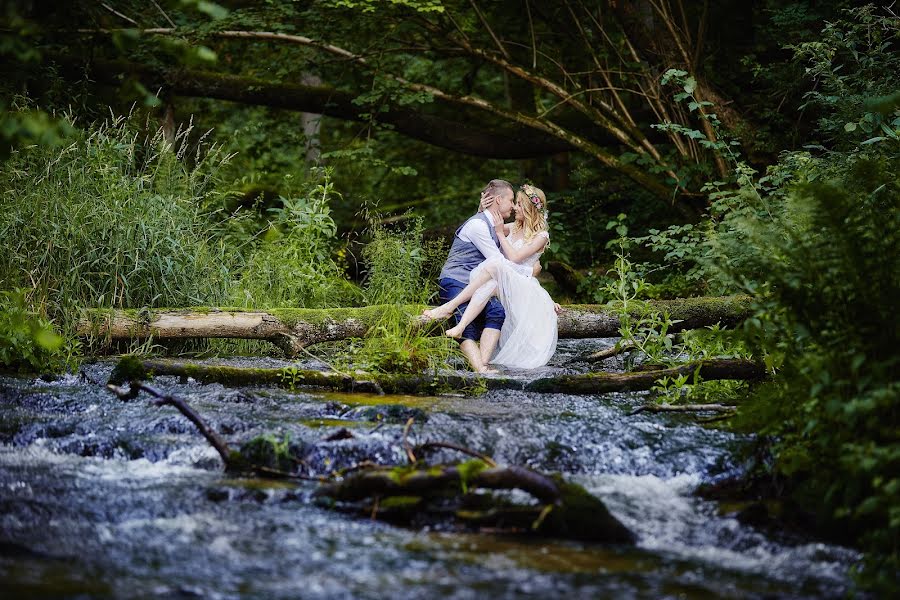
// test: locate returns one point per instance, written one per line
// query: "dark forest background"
(316, 154)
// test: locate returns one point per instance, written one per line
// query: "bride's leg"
(446, 309)
(479, 300)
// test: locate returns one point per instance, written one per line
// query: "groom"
(476, 241)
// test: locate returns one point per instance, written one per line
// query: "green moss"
(401, 502)
(291, 317)
(129, 368)
(540, 555)
(469, 469)
(426, 403)
(579, 515)
(268, 451)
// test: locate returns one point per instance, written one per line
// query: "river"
(105, 499)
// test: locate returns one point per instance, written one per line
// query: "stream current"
(105, 499)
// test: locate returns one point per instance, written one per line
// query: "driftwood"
(294, 329)
(183, 407)
(618, 348)
(392, 383)
(406, 494)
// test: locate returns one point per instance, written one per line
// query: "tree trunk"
(463, 133)
(293, 329)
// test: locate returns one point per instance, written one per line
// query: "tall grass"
(117, 218)
(402, 271)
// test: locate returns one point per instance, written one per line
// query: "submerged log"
(430, 384)
(406, 494)
(293, 329)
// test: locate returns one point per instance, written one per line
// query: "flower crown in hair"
(535, 199)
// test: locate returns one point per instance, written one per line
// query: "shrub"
(27, 342)
(292, 262)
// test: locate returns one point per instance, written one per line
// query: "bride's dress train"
(528, 336)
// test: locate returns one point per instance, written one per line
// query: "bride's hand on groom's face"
(498, 220)
(487, 200)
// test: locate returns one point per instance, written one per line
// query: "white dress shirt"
(477, 232)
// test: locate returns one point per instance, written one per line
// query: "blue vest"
(465, 256)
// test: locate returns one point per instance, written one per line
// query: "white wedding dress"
(528, 336)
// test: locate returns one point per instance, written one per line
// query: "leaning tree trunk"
(293, 329)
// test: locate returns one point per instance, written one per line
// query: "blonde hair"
(534, 220)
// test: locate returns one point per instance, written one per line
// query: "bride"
(528, 336)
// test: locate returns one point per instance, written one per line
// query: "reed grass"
(118, 218)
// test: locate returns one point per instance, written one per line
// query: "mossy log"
(603, 382)
(396, 383)
(409, 493)
(293, 329)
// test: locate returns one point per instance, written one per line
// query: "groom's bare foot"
(437, 314)
(454, 332)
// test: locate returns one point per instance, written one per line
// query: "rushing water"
(105, 499)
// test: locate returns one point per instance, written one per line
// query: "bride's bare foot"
(454, 332)
(487, 371)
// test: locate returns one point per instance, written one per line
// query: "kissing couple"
(488, 284)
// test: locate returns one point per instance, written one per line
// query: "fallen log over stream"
(433, 383)
(293, 329)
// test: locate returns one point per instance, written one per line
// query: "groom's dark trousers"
(490, 318)
(463, 257)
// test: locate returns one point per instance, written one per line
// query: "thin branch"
(586, 91)
(555, 89)
(615, 350)
(118, 14)
(450, 446)
(533, 43)
(410, 455)
(487, 26)
(184, 408)
(701, 32)
(159, 8)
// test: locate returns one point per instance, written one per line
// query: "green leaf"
(848, 127)
(212, 9)
(206, 54)
(48, 340)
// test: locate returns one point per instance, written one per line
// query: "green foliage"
(29, 343)
(827, 316)
(114, 219)
(641, 327)
(402, 269)
(817, 242)
(291, 264)
(402, 266)
(422, 6)
(854, 63)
